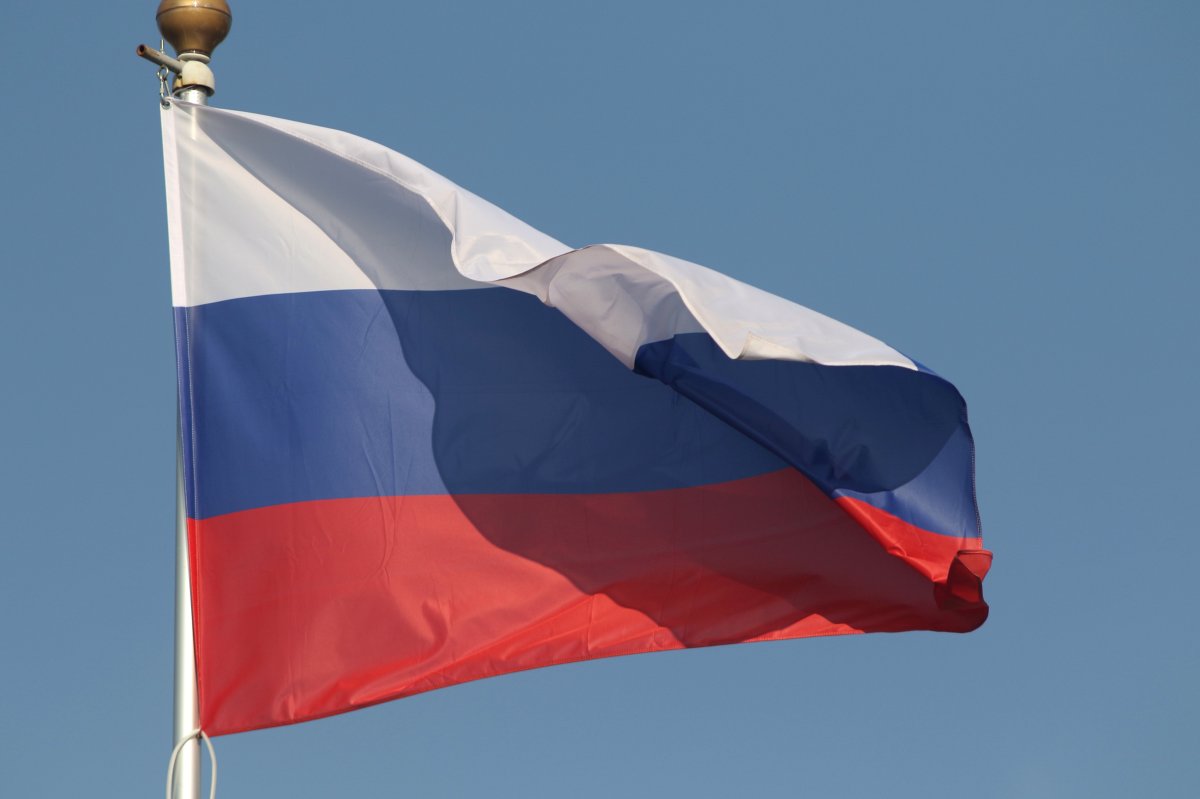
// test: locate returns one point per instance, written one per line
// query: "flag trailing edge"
(425, 443)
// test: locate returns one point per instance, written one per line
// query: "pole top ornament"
(194, 26)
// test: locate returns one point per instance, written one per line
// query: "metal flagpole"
(187, 704)
(194, 28)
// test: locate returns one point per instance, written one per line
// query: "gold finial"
(194, 26)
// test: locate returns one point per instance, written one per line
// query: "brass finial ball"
(194, 26)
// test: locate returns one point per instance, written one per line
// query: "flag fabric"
(425, 443)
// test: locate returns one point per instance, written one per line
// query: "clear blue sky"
(1009, 192)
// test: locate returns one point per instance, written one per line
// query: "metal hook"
(163, 73)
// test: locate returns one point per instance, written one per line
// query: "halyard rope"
(212, 755)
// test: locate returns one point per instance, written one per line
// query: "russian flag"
(425, 443)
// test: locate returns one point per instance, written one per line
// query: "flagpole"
(194, 28)
(187, 705)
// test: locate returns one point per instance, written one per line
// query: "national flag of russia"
(426, 443)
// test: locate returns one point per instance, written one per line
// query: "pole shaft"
(187, 706)
(187, 700)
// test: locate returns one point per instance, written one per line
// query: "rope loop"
(212, 756)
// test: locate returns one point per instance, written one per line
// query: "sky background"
(1009, 192)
